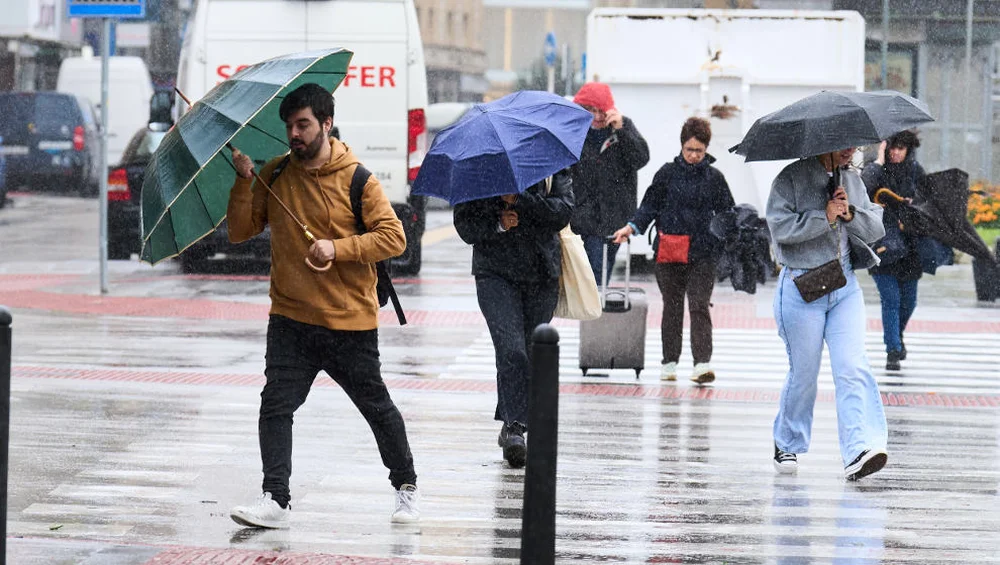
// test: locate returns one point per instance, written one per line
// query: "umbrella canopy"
(940, 212)
(186, 188)
(503, 147)
(829, 121)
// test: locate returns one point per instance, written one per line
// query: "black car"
(50, 141)
(124, 213)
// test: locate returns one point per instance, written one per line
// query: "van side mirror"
(160, 105)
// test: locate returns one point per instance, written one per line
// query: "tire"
(193, 262)
(409, 262)
(118, 250)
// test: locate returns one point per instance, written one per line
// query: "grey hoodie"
(796, 216)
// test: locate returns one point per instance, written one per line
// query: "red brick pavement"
(195, 556)
(465, 385)
(56, 293)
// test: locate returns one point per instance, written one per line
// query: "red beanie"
(596, 95)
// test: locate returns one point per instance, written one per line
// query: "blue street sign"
(550, 49)
(106, 8)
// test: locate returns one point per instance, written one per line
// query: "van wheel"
(118, 250)
(193, 263)
(409, 262)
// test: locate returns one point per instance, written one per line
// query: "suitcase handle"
(626, 304)
(604, 273)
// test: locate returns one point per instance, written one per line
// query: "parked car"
(51, 141)
(3, 176)
(124, 213)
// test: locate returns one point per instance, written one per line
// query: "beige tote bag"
(578, 295)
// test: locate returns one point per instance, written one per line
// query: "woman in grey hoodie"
(813, 222)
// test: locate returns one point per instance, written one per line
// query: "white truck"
(728, 66)
(380, 106)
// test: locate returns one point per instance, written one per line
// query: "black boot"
(892, 361)
(902, 348)
(511, 440)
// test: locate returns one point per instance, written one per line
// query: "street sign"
(106, 8)
(550, 49)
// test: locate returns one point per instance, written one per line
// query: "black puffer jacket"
(903, 179)
(605, 180)
(683, 199)
(529, 252)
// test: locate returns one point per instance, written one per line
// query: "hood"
(596, 95)
(341, 157)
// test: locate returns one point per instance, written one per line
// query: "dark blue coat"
(683, 199)
(898, 250)
(529, 252)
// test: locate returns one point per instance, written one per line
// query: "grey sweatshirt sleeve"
(786, 222)
(867, 221)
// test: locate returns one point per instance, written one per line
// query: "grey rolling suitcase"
(616, 340)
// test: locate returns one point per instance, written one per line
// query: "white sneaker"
(703, 373)
(668, 371)
(407, 510)
(264, 513)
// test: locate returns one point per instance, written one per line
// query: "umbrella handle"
(322, 269)
(313, 266)
(883, 194)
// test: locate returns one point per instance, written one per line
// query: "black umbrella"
(746, 254)
(830, 121)
(940, 211)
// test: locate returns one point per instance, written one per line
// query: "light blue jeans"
(838, 319)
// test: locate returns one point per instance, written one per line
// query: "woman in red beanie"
(605, 180)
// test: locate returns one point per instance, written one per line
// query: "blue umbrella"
(503, 147)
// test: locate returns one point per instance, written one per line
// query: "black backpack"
(383, 287)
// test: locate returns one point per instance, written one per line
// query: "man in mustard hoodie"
(319, 320)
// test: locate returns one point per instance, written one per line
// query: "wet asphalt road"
(134, 428)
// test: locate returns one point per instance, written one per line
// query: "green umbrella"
(186, 188)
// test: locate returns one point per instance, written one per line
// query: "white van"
(380, 109)
(129, 91)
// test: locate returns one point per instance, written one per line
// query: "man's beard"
(310, 151)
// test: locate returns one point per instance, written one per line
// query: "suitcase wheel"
(637, 371)
(585, 369)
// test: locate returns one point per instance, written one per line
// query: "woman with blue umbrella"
(503, 166)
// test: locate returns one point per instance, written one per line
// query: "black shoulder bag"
(828, 277)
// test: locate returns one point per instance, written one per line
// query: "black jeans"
(513, 309)
(296, 352)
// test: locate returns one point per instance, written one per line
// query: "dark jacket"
(898, 250)
(606, 180)
(529, 252)
(682, 200)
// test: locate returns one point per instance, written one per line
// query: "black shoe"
(902, 348)
(511, 440)
(870, 461)
(785, 462)
(892, 360)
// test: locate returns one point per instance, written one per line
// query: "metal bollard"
(5, 344)
(538, 518)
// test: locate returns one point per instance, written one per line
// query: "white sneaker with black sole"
(407, 507)
(784, 462)
(870, 461)
(264, 513)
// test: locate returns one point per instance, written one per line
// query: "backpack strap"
(358, 182)
(280, 167)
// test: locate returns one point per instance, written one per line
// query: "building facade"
(35, 36)
(453, 49)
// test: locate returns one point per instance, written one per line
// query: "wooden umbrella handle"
(322, 269)
(313, 266)
(883, 194)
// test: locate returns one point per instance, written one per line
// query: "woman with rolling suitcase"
(684, 196)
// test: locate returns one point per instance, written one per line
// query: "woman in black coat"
(896, 276)
(684, 197)
(516, 260)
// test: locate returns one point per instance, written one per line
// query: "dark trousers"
(594, 246)
(296, 352)
(696, 281)
(513, 309)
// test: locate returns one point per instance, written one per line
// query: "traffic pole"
(538, 518)
(102, 194)
(5, 344)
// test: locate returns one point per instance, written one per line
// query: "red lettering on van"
(387, 74)
(226, 71)
(367, 76)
